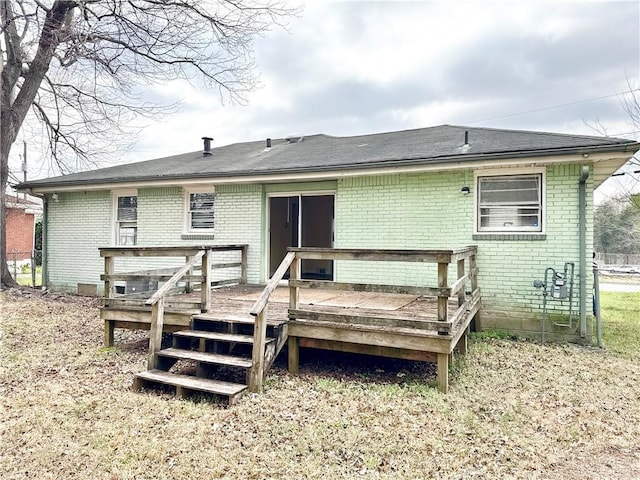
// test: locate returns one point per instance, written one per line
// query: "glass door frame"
(299, 194)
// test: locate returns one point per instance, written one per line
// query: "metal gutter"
(391, 165)
(582, 222)
(45, 253)
(596, 304)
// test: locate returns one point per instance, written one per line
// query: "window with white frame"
(126, 219)
(509, 203)
(200, 210)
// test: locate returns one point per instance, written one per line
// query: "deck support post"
(442, 301)
(109, 327)
(205, 288)
(109, 287)
(243, 264)
(461, 293)
(155, 333)
(443, 372)
(462, 345)
(256, 374)
(294, 355)
(187, 284)
(109, 291)
(294, 274)
(474, 287)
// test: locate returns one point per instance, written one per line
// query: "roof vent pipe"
(268, 143)
(466, 137)
(207, 146)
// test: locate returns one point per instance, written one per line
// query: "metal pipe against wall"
(582, 221)
(45, 229)
(596, 304)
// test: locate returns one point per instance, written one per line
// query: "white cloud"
(355, 67)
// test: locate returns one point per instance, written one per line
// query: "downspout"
(45, 228)
(582, 220)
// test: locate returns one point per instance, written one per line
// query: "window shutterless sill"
(197, 236)
(510, 236)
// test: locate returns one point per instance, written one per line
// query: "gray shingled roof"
(423, 146)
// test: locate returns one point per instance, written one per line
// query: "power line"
(554, 106)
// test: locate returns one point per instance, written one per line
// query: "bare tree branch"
(78, 66)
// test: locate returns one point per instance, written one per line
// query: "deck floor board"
(230, 302)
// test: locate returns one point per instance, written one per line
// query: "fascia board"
(409, 166)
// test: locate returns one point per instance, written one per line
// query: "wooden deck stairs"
(229, 349)
(214, 356)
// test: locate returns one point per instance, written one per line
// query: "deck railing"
(445, 325)
(196, 257)
(259, 311)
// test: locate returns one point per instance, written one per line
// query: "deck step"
(206, 357)
(230, 318)
(228, 389)
(218, 336)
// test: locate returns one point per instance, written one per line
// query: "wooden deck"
(417, 323)
(238, 300)
(400, 326)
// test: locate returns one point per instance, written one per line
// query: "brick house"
(524, 198)
(21, 219)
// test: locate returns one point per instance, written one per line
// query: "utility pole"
(24, 164)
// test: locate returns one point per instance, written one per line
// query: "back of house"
(525, 199)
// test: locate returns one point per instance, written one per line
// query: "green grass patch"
(621, 322)
(492, 335)
(515, 409)
(24, 277)
(624, 279)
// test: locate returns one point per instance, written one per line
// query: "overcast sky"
(348, 68)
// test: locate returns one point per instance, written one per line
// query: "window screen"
(127, 220)
(510, 203)
(201, 213)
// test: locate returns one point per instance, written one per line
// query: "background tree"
(617, 225)
(629, 176)
(632, 107)
(81, 67)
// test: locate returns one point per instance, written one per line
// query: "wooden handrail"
(385, 255)
(272, 284)
(443, 258)
(157, 307)
(462, 281)
(162, 291)
(259, 310)
(366, 287)
(174, 251)
(464, 258)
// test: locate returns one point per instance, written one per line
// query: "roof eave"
(433, 162)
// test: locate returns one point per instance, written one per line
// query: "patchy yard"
(516, 410)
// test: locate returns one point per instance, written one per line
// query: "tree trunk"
(6, 129)
(6, 279)
(13, 111)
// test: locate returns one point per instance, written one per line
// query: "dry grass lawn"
(516, 409)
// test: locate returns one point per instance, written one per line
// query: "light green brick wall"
(78, 224)
(160, 216)
(81, 222)
(508, 268)
(429, 211)
(417, 211)
(422, 210)
(239, 214)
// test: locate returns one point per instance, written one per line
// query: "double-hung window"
(200, 211)
(126, 206)
(510, 203)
